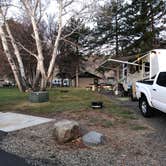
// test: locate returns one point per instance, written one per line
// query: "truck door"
(159, 92)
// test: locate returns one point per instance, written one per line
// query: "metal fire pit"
(39, 97)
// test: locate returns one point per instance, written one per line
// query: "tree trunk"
(54, 54)
(116, 31)
(50, 81)
(36, 78)
(40, 59)
(43, 83)
(11, 61)
(40, 55)
(152, 28)
(17, 53)
(77, 77)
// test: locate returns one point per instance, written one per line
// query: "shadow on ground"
(7, 159)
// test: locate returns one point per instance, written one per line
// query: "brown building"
(86, 80)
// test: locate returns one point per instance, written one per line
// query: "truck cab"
(152, 94)
(158, 92)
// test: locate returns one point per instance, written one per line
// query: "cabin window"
(162, 79)
(147, 66)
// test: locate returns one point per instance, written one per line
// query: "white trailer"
(143, 67)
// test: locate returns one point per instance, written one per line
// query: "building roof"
(87, 75)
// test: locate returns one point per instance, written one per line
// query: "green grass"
(107, 123)
(123, 98)
(103, 122)
(138, 127)
(121, 111)
(10, 94)
(11, 97)
(74, 100)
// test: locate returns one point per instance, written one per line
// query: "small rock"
(93, 138)
(66, 130)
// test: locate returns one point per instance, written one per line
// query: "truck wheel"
(145, 109)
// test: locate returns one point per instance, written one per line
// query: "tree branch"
(27, 50)
(72, 43)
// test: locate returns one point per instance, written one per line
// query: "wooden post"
(117, 74)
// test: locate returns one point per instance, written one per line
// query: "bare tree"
(18, 71)
(34, 10)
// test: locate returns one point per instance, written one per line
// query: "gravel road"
(157, 121)
(157, 139)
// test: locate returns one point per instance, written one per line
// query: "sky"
(74, 7)
(51, 8)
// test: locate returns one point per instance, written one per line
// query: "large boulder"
(93, 138)
(66, 130)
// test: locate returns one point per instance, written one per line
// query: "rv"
(143, 67)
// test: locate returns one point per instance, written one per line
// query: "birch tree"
(34, 11)
(18, 71)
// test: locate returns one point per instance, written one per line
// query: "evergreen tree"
(109, 24)
(128, 28)
(142, 19)
(71, 59)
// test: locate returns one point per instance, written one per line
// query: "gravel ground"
(125, 147)
(38, 147)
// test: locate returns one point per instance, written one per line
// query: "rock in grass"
(66, 130)
(93, 138)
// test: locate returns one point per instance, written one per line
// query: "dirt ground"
(135, 141)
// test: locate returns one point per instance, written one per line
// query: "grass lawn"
(74, 100)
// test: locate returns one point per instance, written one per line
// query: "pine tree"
(128, 28)
(109, 24)
(71, 59)
(141, 22)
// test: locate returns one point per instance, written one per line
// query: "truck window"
(162, 79)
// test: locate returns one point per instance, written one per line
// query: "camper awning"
(113, 63)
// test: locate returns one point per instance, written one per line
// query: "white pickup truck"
(152, 94)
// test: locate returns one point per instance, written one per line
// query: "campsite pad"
(14, 121)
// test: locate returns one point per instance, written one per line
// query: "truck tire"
(145, 109)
